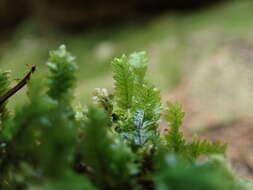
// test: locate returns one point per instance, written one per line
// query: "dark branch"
(20, 85)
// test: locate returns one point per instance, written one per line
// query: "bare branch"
(20, 85)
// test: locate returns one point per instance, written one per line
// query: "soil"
(237, 134)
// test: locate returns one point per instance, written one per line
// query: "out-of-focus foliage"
(178, 174)
(115, 145)
(62, 68)
(4, 86)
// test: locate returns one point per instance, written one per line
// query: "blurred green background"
(200, 52)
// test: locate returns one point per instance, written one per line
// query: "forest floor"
(238, 136)
(236, 133)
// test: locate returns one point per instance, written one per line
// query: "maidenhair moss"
(47, 144)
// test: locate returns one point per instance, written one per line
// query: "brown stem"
(16, 88)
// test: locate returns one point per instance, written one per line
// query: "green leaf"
(174, 139)
(203, 147)
(124, 82)
(62, 79)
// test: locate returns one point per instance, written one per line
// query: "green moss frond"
(174, 139)
(62, 79)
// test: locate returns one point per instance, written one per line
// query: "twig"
(20, 85)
